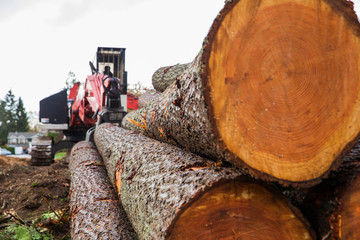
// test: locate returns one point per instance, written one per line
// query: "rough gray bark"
(179, 116)
(165, 76)
(95, 210)
(147, 97)
(157, 182)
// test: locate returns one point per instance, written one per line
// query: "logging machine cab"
(102, 98)
(111, 62)
(58, 111)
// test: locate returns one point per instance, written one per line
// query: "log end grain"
(240, 210)
(283, 84)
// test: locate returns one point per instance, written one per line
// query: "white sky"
(42, 40)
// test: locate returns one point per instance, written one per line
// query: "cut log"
(165, 76)
(95, 210)
(276, 88)
(348, 217)
(332, 207)
(170, 193)
(147, 97)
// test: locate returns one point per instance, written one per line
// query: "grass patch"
(23, 232)
(50, 226)
(60, 155)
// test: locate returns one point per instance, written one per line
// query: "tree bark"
(170, 193)
(95, 210)
(275, 88)
(165, 76)
(147, 97)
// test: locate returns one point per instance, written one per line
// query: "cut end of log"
(290, 71)
(240, 210)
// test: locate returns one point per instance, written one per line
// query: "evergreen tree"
(22, 120)
(10, 110)
(2, 112)
(13, 116)
(3, 123)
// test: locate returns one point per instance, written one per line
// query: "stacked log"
(164, 76)
(147, 97)
(170, 193)
(275, 89)
(332, 206)
(95, 211)
(161, 80)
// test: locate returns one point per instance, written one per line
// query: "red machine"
(102, 98)
(88, 103)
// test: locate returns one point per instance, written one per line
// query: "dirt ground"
(33, 190)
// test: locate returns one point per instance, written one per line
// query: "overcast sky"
(42, 40)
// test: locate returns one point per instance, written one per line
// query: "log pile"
(257, 138)
(42, 152)
(170, 193)
(274, 89)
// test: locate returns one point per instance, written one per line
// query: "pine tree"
(3, 123)
(22, 120)
(13, 116)
(10, 110)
